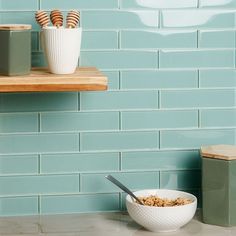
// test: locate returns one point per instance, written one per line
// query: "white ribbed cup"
(62, 48)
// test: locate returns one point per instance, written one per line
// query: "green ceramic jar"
(15, 48)
(219, 185)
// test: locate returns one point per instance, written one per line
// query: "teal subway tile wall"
(172, 88)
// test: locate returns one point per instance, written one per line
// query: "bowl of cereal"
(162, 210)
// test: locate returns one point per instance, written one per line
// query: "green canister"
(219, 185)
(15, 49)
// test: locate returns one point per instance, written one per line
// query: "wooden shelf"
(40, 80)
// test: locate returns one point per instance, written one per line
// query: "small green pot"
(15, 48)
(219, 185)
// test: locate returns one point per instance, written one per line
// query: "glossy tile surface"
(100, 40)
(198, 19)
(10, 123)
(171, 89)
(218, 118)
(134, 180)
(120, 59)
(119, 141)
(119, 19)
(218, 78)
(119, 100)
(198, 98)
(79, 4)
(163, 160)
(197, 58)
(159, 119)
(80, 203)
(217, 39)
(218, 3)
(159, 79)
(72, 121)
(158, 39)
(196, 138)
(19, 164)
(67, 163)
(150, 4)
(38, 143)
(21, 185)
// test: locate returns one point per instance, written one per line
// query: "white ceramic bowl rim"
(144, 192)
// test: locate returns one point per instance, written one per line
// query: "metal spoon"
(121, 186)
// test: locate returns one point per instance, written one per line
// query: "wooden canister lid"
(223, 152)
(15, 27)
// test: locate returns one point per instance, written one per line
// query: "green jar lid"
(223, 152)
(14, 27)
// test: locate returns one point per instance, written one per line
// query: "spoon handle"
(121, 186)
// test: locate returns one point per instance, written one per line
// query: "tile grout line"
(120, 161)
(199, 118)
(198, 3)
(120, 121)
(119, 39)
(39, 122)
(39, 205)
(79, 101)
(198, 37)
(80, 183)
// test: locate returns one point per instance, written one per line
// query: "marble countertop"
(98, 224)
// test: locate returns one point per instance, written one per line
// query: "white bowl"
(161, 219)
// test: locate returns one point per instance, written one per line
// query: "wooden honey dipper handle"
(42, 18)
(72, 18)
(56, 18)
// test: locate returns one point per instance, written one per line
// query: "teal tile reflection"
(159, 119)
(79, 203)
(19, 164)
(16, 185)
(39, 143)
(198, 98)
(218, 78)
(158, 39)
(159, 79)
(218, 118)
(10, 123)
(218, 4)
(119, 19)
(25, 102)
(118, 100)
(181, 179)
(197, 19)
(135, 180)
(20, 5)
(79, 4)
(85, 162)
(217, 39)
(71, 121)
(197, 58)
(120, 59)
(99, 40)
(161, 160)
(119, 141)
(11, 206)
(196, 138)
(152, 4)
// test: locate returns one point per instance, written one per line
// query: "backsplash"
(172, 78)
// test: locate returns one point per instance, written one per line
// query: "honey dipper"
(42, 18)
(72, 18)
(56, 18)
